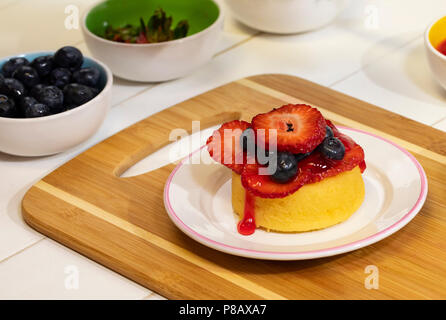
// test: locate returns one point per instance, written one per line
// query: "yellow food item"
(314, 206)
(437, 32)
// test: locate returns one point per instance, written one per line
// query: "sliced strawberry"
(332, 126)
(355, 152)
(262, 185)
(224, 145)
(321, 167)
(362, 166)
(299, 128)
(313, 168)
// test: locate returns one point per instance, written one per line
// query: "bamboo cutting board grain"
(122, 224)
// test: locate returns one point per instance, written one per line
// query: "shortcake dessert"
(293, 170)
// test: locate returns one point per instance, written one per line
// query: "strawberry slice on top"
(313, 168)
(224, 145)
(319, 167)
(296, 128)
(354, 152)
(263, 186)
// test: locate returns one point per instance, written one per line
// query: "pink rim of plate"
(281, 255)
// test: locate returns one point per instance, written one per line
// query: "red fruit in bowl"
(224, 145)
(297, 128)
(141, 38)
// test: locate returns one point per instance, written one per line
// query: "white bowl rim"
(427, 41)
(156, 44)
(67, 113)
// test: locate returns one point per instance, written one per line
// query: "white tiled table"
(379, 59)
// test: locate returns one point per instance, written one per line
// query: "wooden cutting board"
(122, 224)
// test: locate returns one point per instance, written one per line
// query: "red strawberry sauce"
(247, 224)
(442, 47)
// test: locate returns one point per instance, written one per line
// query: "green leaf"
(142, 25)
(181, 29)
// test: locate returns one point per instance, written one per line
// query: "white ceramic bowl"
(155, 62)
(286, 16)
(435, 33)
(58, 132)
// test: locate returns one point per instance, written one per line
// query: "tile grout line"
(438, 121)
(376, 60)
(133, 95)
(148, 296)
(235, 45)
(78, 43)
(22, 250)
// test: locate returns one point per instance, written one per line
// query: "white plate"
(198, 200)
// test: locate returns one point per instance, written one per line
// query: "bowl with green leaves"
(153, 40)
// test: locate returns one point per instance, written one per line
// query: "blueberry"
(332, 148)
(43, 65)
(87, 76)
(286, 167)
(12, 88)
(301, 156)
(247, 141)
(69, 57)
(37, 110)
(46, 81)
(328, 132)
(27, 75)
(2, 79)
(52, 96)
(60, 77)
(7, 107)
(12, 64)
(77, 94)
(36, 90)
(69, 107)
(26, 102)
(95, 91)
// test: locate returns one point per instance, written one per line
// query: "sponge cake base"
(314, 206)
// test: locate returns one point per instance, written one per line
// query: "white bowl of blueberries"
(51, 102)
